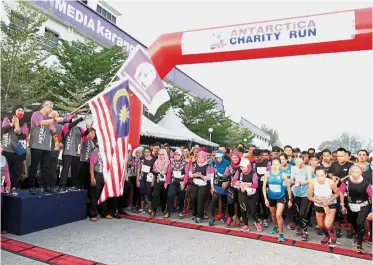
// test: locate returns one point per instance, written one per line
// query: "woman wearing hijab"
(15, 131)
(219, 181)
(161, 168)
(176, 181)
(201, 173)
(132, 178)
(248, 198)
(232, 197)
(189, 162)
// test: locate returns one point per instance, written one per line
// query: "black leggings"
(84, 175)
(146, 189)
(41, 157)
(15, 167)
(302, 207)
(261, 207)
(198, 198)
(358, 221)
(134, 190)
(67, 162)
(215, 202)
(232, 198)
(158, 193)
(248, 205)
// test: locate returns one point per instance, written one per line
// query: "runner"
(326, 161)
(362, 160)
(233, 206)
(275, 198)
(286, 171)
(161, 168)
(314, 163)
(300, 177)
(177, 181)
(219, 185)
(247, 179)
(320, 192)
(201, 173)
(359, 195)
(189, 160)
(261, 165)
(288, 150)
(144, 181)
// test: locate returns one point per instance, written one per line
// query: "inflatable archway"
(344, 31)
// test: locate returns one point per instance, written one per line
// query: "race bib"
(145, 169)
(177, 175)
(250, 191)
(199, 182)
(261, 170)
(275, 188)
(354, 207)
(149, 177)
(299, 178)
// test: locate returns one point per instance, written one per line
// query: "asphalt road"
(132, 242)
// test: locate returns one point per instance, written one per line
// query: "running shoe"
(304, 236)
(274, 230)
(245, 228)
(237, 223)
(181, 216)
(291, 226)
(259, 227)
(186, 212)
(198, 220)
(338, 232)
(212, 222)
(229, 221)
(109, 217)
(368, 238)
(281, 238)
(205, 216)
(141, 211)
(63, 190)
(194, 217)
(94, 219)
(219, 216)
(325, 240)
(153, 214)
(265, 223)
(167, 216)
(318, 231)
(359, 249)
(299, 232)
(333, 238)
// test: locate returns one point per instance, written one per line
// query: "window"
(103, 12)
(52, 37)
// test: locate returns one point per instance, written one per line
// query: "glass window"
(51, 42)
(103, 12)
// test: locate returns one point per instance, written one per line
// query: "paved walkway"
(133, 242)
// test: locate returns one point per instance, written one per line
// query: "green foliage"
(274, 135)
(24, 79)
(178, 97)
(345, 140)
(236, 135)
(83, 71)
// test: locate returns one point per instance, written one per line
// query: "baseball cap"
(219, 153)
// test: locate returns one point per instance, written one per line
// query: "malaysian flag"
(110, 111)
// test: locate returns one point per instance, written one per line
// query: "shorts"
(319, 209)
(273, 202)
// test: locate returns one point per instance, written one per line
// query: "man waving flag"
(110, 111)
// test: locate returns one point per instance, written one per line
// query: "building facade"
(261, 139)
(96, 20)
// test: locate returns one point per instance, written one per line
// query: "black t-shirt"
(340, 171)
(368, 176)
(327, 168)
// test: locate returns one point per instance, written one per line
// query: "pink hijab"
(162, 163)
(204, 155)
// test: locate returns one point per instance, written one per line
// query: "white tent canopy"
(173, 123)
(151, 129)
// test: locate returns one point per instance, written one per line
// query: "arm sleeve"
(369, 191)
(209, 173)
(24, 129)
(168, 176)
(342, 188)
(94, 158)
(74, 123)
(7, 176)
(36, 118)
(254, 184)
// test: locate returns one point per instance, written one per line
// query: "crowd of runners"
(285, 185)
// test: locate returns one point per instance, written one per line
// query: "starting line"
(57, 258)
(255, 236)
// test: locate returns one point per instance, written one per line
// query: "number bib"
(354, 207)
(261, 170)
(199, 182)
(177, 175)
(275, 188)
(145, 169)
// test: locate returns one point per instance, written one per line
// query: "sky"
(307, 99)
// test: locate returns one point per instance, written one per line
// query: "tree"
(345, 140)
(83, 70)
(273, 134)
(236, 135)
(24, 77)
(178, 98)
